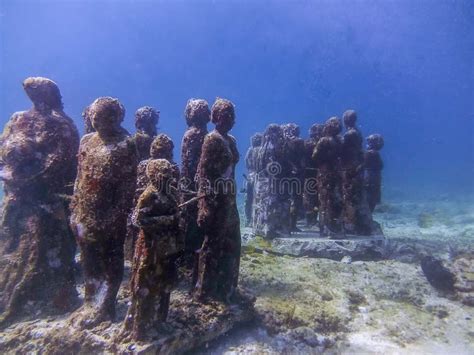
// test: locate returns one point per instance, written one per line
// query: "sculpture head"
(107, 114)
(223, 115)
(291, 130)
(332, 127)
(146, 119)
(375, 142)
(44, 93)
(162, 147)
(86, 116)
(316, 131)
(256, 140)
(350, 118)
(273, 133)
(197, 113)
(159, 173)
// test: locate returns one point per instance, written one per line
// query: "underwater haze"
(405, 66)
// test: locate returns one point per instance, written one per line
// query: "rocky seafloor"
(308, 305)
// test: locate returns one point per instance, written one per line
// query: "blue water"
(407, 67)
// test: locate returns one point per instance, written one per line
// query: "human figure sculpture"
(103, 196)
(38, 163)
(373, 165)
(146, 119)
(272, 209)
(219, 256)
(327, 159)
(310, 192)
(295, 157)
(154, 270)
(87, 121)
(161, 148)
(251, 165)
(356, 215)
(197, 116)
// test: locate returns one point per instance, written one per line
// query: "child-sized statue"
(327, 159)
(161, 148)
(356, 215)
(310, 192)
(219, 256)
(154, 270)
(103, 195)
(373, 165)
(251, 165)
(197, 116)
(146, 119)
(38, 162)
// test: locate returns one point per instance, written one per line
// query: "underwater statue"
(161, 148)
(271, 202)
(103, 196)
(294, 152)
(154, 270)
(373, 166)
(87, 121)
(219, 256)
(310, 192)
(146, 119)
(327, 157)
(251, 165)
(197, 116)
(357, 218)
(38, 164)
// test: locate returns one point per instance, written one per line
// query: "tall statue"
(327, 156)
(161, 148)
(373, 165)
(103, 195)
(146, 119)
(310, 192)
(197, 116)
(154, 270)
(295, 157)
(219, 256)
(272, 209)
(38, 166)
(356, 215)
(251, 165)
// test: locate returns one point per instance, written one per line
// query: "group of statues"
(115, 196)
(327, 179)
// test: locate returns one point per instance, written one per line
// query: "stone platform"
(309, 243)
(189, 325)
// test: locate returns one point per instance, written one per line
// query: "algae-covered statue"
(219, 256)
(146, 119)
(373, 165)
(327, 156)
(161, 148)
(103, 194)
(310, 193)
(38, 163)
(294, 152)
(272, 209)
(197, 115)
(154, 270)
(251, 165)
(356, 215)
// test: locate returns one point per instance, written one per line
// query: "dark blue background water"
(405, 66)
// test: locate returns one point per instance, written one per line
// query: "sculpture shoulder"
(86, 139)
